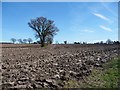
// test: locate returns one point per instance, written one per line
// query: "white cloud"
(87, 30)
(102, 16)
(105, 28)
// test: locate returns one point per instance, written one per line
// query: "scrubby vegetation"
(104, 77)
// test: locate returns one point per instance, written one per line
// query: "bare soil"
(30, 66)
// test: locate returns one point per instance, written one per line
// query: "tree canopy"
(44, 29)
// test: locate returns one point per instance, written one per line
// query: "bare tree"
(101, 42)
(25, 40)
(20, 41)
(109, 41)
(43, 28)
(13, 40)
(29, 40)
(65, 42)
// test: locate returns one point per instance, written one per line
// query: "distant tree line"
(50, 41)
(22, 41)
(108, 41)
(30, 41)
(101, 42)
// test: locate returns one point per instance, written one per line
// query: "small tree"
(109, 41)
(101, 42)
(25, 40)
(76, 43)
(13, 40)
(65, 42)
(20, 41)
(43, 28)
(84, 42)
(29, 40)
(116, 42)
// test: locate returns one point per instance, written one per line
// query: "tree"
(109, 41)
(20, 41)
(101, 42)
(29, 40)
(76, 43)
(34, 42)
(116, 42)
(25, 40)
(65, 42)
(43, 28)
(13, 40)
(84, 42)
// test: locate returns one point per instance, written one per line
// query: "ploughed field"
(30, 66)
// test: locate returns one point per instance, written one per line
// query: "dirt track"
(34, 67)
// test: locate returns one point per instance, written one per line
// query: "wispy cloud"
(105, 28)
(102, 16)
(88, 30)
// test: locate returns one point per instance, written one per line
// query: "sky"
(76, 21)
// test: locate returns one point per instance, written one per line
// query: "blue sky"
(83, 21)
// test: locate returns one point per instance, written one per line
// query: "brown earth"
(30, 66)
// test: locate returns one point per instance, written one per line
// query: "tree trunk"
(42, 38)
(42, 42)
